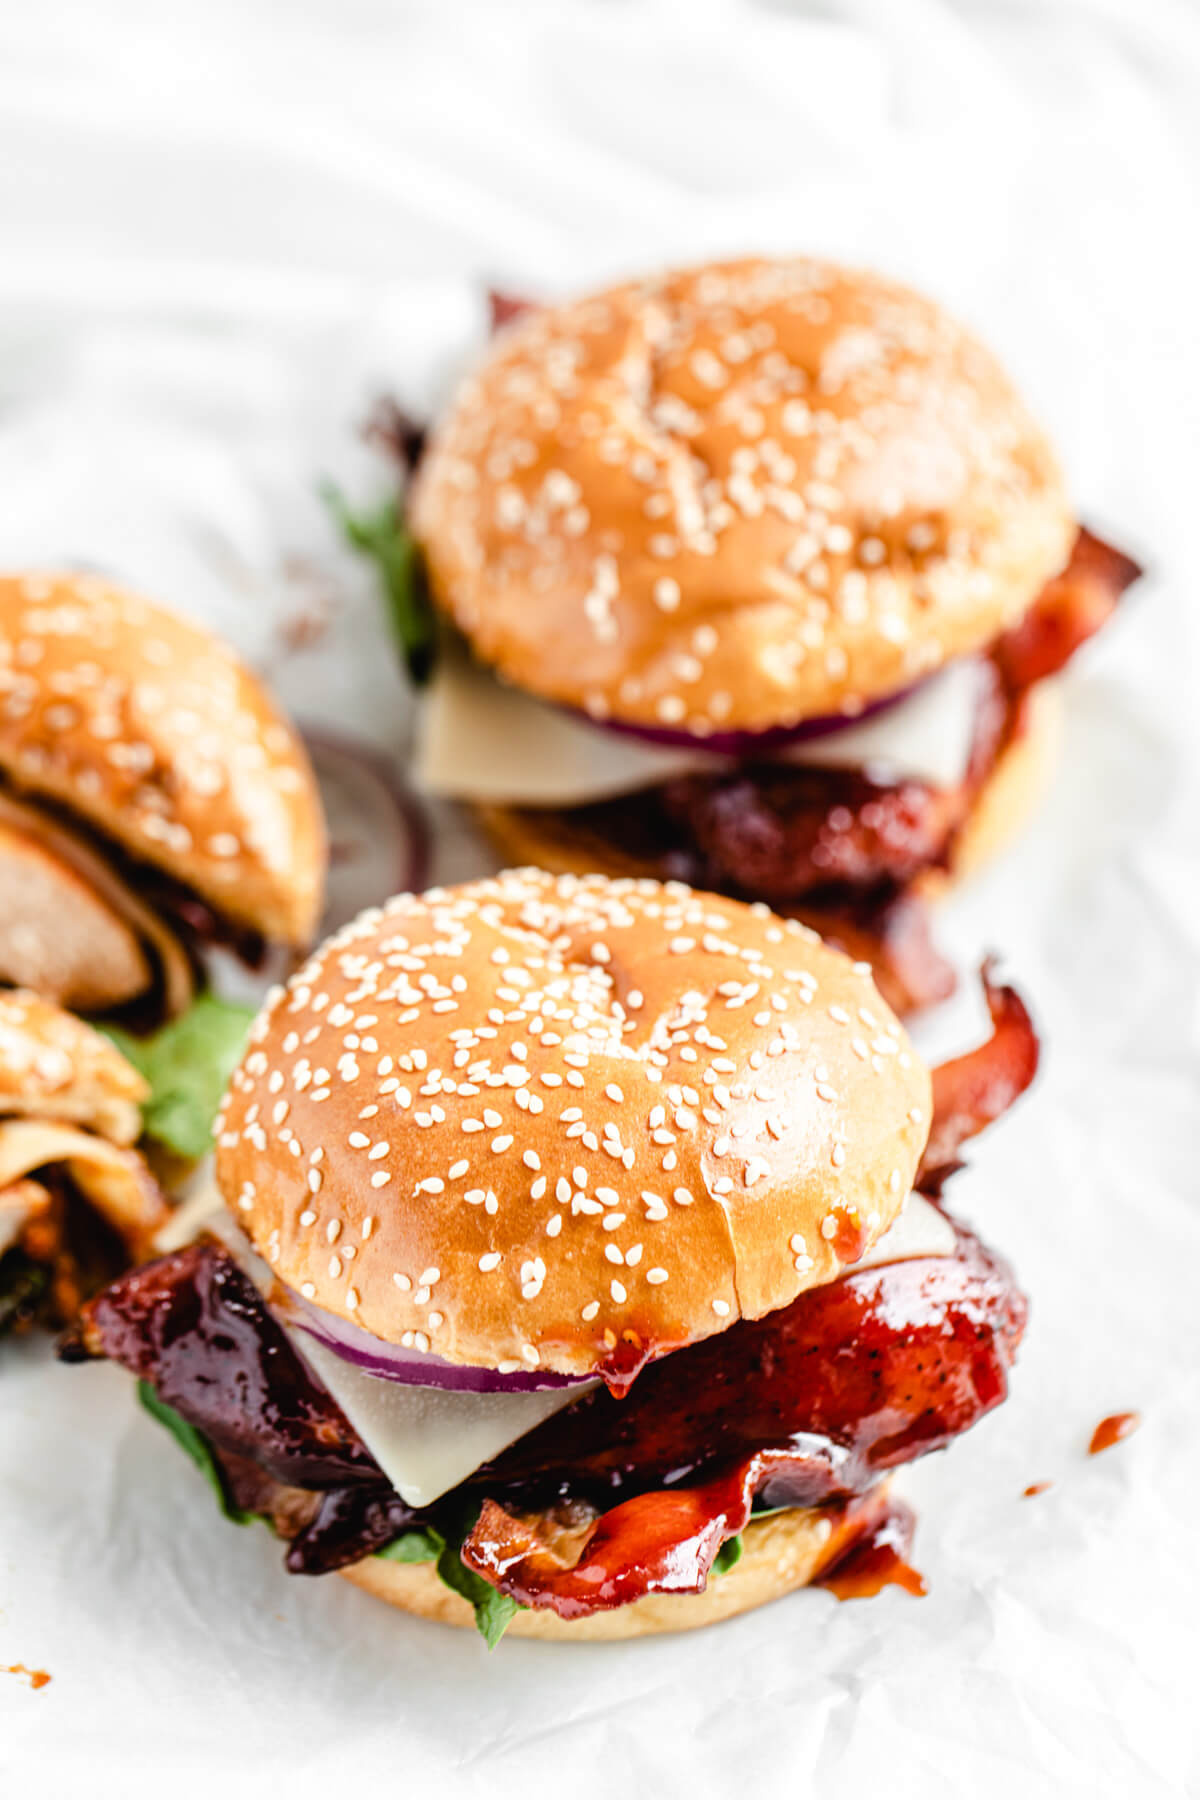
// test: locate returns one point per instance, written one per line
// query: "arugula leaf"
(187, 1063)
(382, 535)
(493, 1610)
(197, 1447)
(728, 1555)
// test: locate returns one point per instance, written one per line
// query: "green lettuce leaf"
(197, 1447)
(187, 1063)
(493, 1610)
(728, 1555)
(414, 1546)
(382, 535)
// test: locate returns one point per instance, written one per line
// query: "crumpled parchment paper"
(227, 229)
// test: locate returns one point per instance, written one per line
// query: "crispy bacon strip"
(1069, 610)
(807, 1406)
(972, 1090)
(664, 1542)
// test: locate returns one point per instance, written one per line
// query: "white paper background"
(224, 228)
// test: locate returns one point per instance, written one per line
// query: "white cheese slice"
(926, 737)
(426, 1440)
(919, 1230)
(481, 740)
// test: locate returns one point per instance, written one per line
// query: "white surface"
(479, 739)
(224, 227)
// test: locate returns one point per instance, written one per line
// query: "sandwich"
(77, 1201)
(154, 803)
(580, 1264)
(758, 576)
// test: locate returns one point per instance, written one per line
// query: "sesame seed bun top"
(157, 735)
(53, 1066)
(517, 1121)
(737, 497)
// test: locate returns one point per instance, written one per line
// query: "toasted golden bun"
(154, 733)
(781, 1553)
(53, 1066)
(527, 1120)
(737, 496)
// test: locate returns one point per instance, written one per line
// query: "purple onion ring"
(746, 745)
(417, 1368)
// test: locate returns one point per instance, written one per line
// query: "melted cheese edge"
(480, 740)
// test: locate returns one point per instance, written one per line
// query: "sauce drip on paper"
(37, 1678)
(878, 1560)
(1110, 1431)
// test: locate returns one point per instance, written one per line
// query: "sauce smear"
(849, 1236)
(877, 1560)
(1036, 1487)
(37, 1678)
(1110, 1431)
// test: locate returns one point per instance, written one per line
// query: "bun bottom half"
(781, 1553)
(554, 841)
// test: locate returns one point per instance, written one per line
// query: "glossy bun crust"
(736, 497)
(535, 1120)
(780, 1553)
(154, 733)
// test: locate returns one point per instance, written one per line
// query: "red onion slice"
(378, 832)
(747, 745)
(417, 1368)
